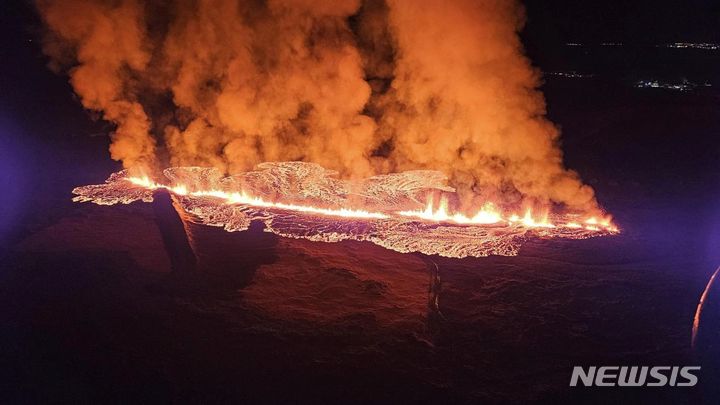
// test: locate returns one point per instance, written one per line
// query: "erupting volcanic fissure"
(304, 200)
(427, 112)
(361, 87)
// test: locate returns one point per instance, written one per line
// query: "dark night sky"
(637, 21)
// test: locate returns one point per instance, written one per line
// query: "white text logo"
(635, 376)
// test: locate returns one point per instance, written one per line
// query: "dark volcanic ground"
(92, 308)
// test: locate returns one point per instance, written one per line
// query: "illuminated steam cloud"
(359, 87)
(107, 50)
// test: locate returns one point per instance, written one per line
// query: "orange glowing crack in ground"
(304, 200)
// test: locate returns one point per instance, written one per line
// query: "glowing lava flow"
(487, 215)
(304, 200)
(244, 198)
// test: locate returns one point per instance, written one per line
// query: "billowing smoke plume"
(359, 87)
(110, 49)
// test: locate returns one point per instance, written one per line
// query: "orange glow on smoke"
(488, 214)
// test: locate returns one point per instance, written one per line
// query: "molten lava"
(243, 198)
(304, 200)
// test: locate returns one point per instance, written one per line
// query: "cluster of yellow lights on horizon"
(487, 215)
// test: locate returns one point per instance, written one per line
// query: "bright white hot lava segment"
(234, 197)
(487, 214)
(406, 212)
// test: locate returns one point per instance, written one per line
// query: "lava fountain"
(406, 212)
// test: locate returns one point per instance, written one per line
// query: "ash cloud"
(361, 87)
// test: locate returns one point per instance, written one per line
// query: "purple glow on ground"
(13, 181)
